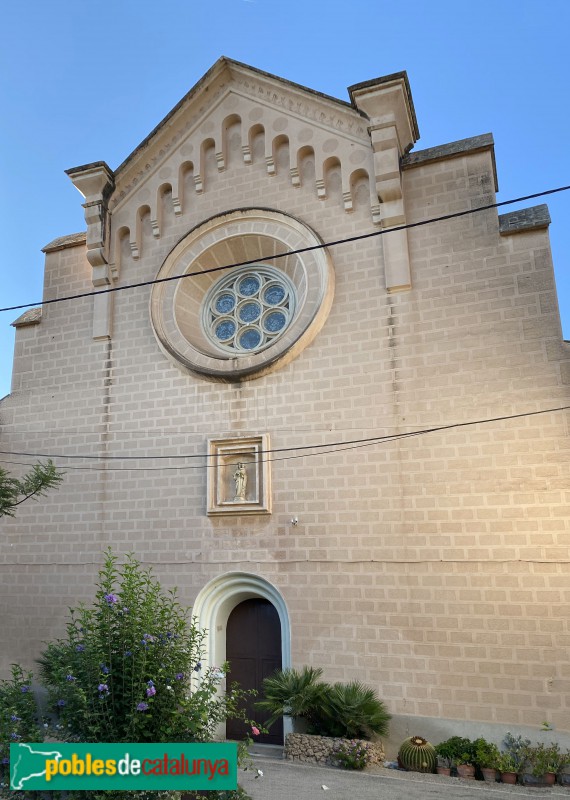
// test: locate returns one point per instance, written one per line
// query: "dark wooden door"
(253, 650)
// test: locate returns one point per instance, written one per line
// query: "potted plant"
(508, 768)
(545, 762)
(450, 753)
(514, 757)
(446, 753)
(466, 764)
(487, 758)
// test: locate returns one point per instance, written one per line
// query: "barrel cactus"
(417, 755)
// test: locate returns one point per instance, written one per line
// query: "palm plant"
(297, 693)
(353, 710)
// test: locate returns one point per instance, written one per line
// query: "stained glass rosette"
(246, 311)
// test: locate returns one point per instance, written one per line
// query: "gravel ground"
(287, 780)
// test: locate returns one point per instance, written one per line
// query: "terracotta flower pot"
(509, 777)
(550, 778)
(443, 770)
(489, 774)
(466, 771)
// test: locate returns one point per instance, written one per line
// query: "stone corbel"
(393, 130)
(96, 183)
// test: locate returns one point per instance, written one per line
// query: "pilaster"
(96, 182)
(393, 130)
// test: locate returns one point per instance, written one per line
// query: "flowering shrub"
(17, 718)
(352, 754)
(130, 669)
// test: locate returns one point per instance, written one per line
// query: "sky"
(83, 82)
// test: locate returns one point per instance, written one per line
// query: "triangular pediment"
(192, 164)
(228, 90)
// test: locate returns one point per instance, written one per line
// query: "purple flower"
(103, 687)
(25, 689)
(14, 718)
(111, 599)
(142, 707)
(104, 669)
(80, 648)
(15, 736)
(179, 676)
(150, 691)
(198, 667)
(69, 678)
(61, 703)
(127, 653)
(5, 761)
(150, 683)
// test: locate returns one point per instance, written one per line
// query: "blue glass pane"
(275, 321)
(250, 339)
(274, 295)
(249, 312)
(225, 330)
(225, 303)
(249, 286)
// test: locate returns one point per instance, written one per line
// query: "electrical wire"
(264, 259)
(322, 449)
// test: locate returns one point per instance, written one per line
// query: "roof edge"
(62, 242)
(218, 66)
(461, 147)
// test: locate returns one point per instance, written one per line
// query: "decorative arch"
(217, 600)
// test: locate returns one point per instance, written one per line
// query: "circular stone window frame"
(311, 273)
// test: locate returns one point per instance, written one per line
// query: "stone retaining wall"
(319, 749)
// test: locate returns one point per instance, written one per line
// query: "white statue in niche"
(240, 480)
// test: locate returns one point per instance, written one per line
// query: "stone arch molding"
(220, 596)
(243, 236)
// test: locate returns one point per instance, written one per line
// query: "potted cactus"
(417, 755)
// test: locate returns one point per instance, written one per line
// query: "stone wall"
(433, 568)
(319, 749)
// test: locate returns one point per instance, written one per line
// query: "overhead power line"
(321, 449)
(264, 259)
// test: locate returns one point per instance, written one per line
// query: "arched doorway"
(253, 649)
(214, 605)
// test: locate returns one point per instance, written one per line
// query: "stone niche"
(239, 476)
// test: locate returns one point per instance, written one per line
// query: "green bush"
(18, 717)
(129, 669)
(454, 750)
(487, 754)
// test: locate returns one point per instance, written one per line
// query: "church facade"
(333, 428)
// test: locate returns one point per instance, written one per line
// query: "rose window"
(246, 311)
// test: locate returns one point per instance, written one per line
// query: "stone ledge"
(319, 749)
(475, 144)
(31, 317)
(62, 242)
(527, 219)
